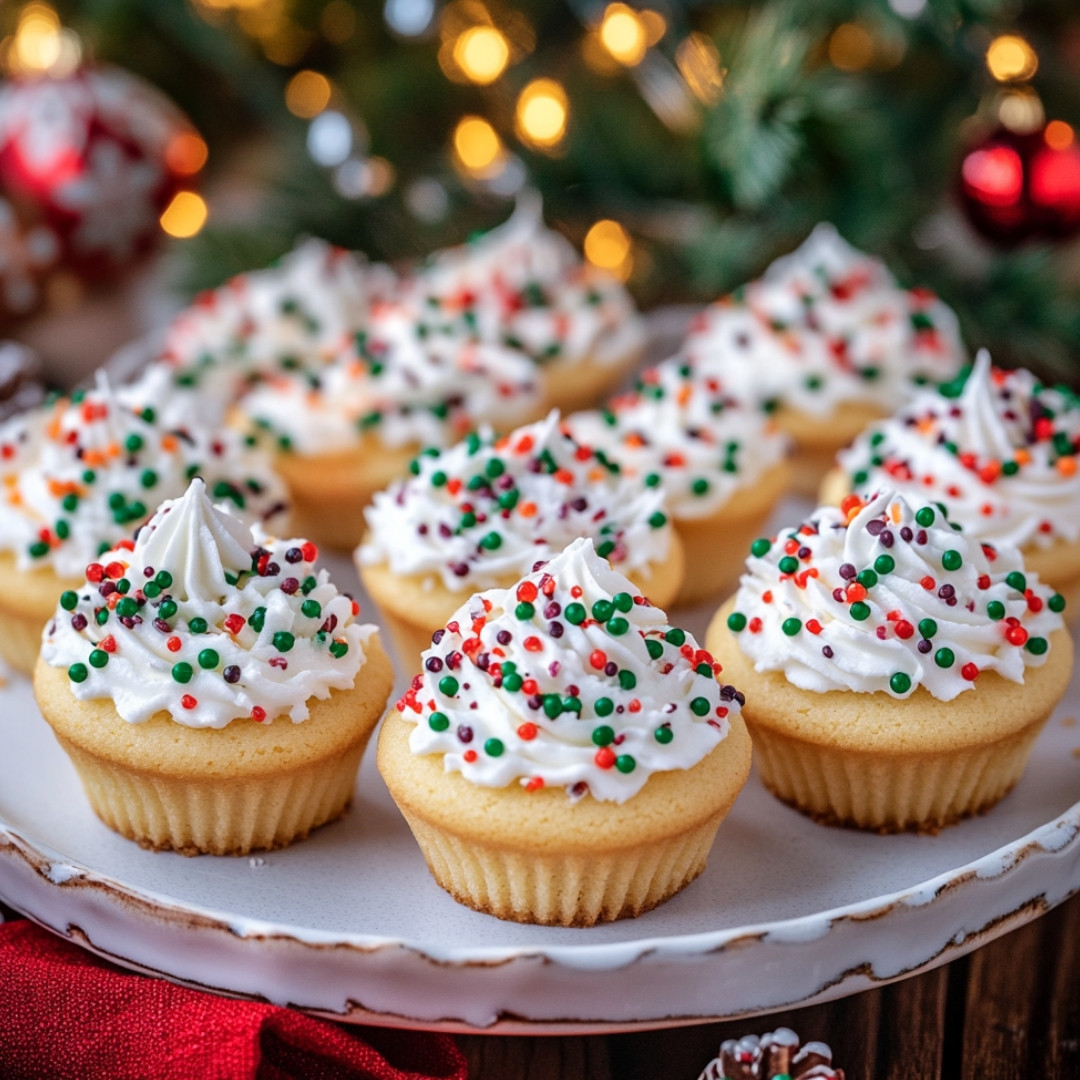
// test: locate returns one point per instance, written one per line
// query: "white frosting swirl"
(1001, 456)
(824, 325)
(402, 388)
(208, 622)
(484, 511)
(524, 286)
(80, 473)
(893, 599)
(680, 427)
(570, 680)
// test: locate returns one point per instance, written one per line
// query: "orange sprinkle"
(93, 457)
(1066, 466)
(894, 513)
(634, 439)
(168, 443)
(527, 510)
(1022, 457)
(683, 396)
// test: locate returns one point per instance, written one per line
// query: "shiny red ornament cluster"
(1023, 186)
(87, 165)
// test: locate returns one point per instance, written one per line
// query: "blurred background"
(152, 148)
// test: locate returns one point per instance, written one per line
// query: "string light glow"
(185, 216)
(482, 53)
(186, 153)
(608, 245)
(1010, 59)
(1021, 111)
(623, 34)
(1059, 135)
(699, 64)
(477, 146)
(851, 47)
(307, 94)
(41, 45)
(541, 113)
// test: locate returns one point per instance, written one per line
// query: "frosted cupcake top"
(524, 286)
(681, 429)
(883, 597)
(568, 679)
(999, 449)
(302, 310)
(825, 325)
(207, 621)
(79, 473)
(398, 386)
(483, 512)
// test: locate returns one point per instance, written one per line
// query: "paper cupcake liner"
(567, 889)
(890, 793)
(203, 817)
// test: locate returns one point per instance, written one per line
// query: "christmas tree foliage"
(685, 144)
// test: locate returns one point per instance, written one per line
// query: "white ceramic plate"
(349, 923)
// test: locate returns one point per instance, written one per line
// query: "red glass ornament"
(1021, 186)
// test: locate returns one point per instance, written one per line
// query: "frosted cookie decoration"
(898, 671)
(566, 754)
(300, 312)
(483, 512)
(212, 687)
(79, 473)
(346, 430)
(523, 286)
(827, 341)
(999, 449)
(776, 1055)
(720, 464)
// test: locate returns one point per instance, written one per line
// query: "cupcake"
(897, 671)
(79, 473)
(211, 686)
(346, 430)
(721, 465)
(566, 755)
(827, 342)
(482, 513)
(776, 1055)
(524, 287)
(302, 311)
(999, 449)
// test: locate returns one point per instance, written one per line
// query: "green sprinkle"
(571, 704)
(700, 706)
(900, 683)
(508, 499)
(167, 609)
(524, 610)
(656, 650)
(925, 517)
(884, 564)
(38, 549)
(627, 680)
(1016, 581)
(575, 613)
(512, 682)
(860, 611)
(658, 520)
(69, 600)
(78, 673)
(152, 590)
(675, 636)
(123, 586)
(625, 763)
(89, 476)
(623, 602)
(652, 480)
(867, 578)
(603, 735)
(438, 721)
(99, 658)
(605, 549)
(791, 626)
(198, 625)
(257, 619)
(448, 685)
(928, 628)
(127, 608)
(1037, 645)
(438, 479)
(1056, 602)
(760, 547)
(133, 443)
(308, 584)
(338, 649)
(944, 658)
(952, 560)
(209, 659)
(494, 747)
(788, 565)
(617, 626)
(101, 616)
(736, 621)
(163, 578)
(996, 610)
(70, 502)
(182, 672)
(663, 735)
(604, 706)
(700, 486)
(494, 468)
(491, 542)
(1010, 468)
(602, 610)
(552, 706)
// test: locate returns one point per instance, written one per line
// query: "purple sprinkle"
(294, 555)
(129, 622)
(453, 660)
(437, 637)
(579, 504)
(555, 629)
(579, 789)
(289, 586)
(620, 708)
(539, 564)
(875, 527)
(535, 702)
(503, 637)
(433, 663)
(847, 571)
(951, 601)
(880, 631)
(924, 646)
(838, 595)
(804, 553)
(670, 707)
(886, 539)
(906, 534)
(422, 529)
(920, 537)
(611, 668)
(483, 661)
(445, 531)
(163, 626)
(465, 733)
(459, 569)
(148, 571)
(827, 652)
(272, 570)
(78, 621)
(553, 668)
(231, 674)
(553, 610)
(946, 592)
(107, 588)
(279, 662)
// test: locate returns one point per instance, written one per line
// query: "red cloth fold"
(66, 1015)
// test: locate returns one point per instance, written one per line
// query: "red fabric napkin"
(66, 1015)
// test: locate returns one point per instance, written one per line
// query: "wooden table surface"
(1008, 1011)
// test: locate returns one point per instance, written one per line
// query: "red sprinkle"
(173, 644)
(108, 643)
(634, 706)
(469, 756)
(95, 572)
(855, 592)
(526, 592)
(527, 731)
(115, 570)
(813, 626)
(533, 644)
(754, 626)
(598, 658)
(927, 583)
(529, 686)
(970, 672)
(234, 623)
(1016, 635)
(309, 551)
(258, 713)
(575, 591)
(904, 629)
(604, 757)
(188, 701)
(535, 784)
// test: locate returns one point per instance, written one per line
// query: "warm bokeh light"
(184, 216)
(541, 113)
(1059, 135)
(482, 54)
(995, 175)
(655, 26)
(608, 245)
(1021, 111)
(41, 45)
(1011, 58)
(186, 153)
(699, 64)
(477, 146)
(623, 34)
(851, 47)
(307, 94)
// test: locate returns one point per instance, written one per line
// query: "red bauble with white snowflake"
(91, 158)
(1021, 186)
